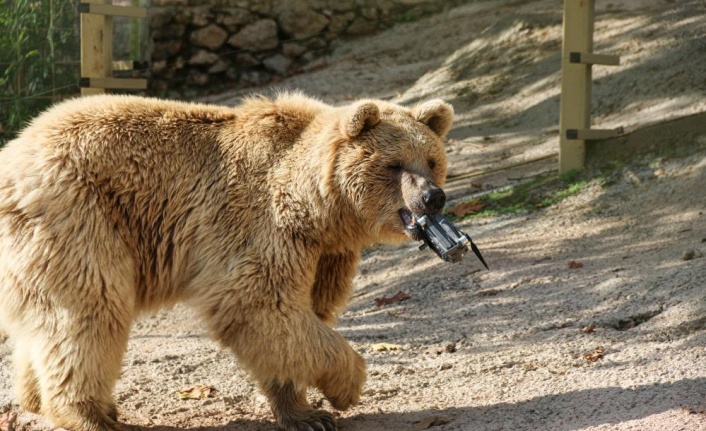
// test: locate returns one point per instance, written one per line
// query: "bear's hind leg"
(78, 374)
(27, 384)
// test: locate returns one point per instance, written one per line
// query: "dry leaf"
(196, 392)
(595, 355)
(399, 296)
(531, 366)
(575, 264)
(381, 347)
(589, 329)
(465, 208)
(431, 421)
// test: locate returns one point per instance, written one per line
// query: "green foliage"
(570, 176)
(411, 16)
(39, 50)
(541, 192)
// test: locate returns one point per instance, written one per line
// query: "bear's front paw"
(343, 390)
(313, 420)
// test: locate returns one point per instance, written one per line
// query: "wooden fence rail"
(97, 46)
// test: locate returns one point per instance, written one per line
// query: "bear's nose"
(434, 199)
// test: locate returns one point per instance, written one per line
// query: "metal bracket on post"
(122, 83)
(592, 134)
(590, 58)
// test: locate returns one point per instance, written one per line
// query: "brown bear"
(255, 216)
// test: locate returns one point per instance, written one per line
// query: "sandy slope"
(504, 349)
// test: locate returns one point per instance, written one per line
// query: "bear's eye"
(432, 164)
(395, 167)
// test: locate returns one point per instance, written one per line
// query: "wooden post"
(575, 105)
(96, 47)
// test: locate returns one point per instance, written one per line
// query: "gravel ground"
(614, 341)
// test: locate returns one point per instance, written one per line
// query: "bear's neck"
(307, 199)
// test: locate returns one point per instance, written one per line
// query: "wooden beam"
(122, 83)
(590, 58)
(592, 134)
(96, 47)
(91, 7)
(575, 105)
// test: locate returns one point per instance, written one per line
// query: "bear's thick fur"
(112, 206)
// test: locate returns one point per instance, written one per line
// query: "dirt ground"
(615, 343)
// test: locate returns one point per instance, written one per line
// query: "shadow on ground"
(558, 412)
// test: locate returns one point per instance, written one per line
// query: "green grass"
(541, 192)
(411, 16)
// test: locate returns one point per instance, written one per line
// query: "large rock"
(170, 2)
(370, 13)
(245, 59)
(219, 67)
(163, 50)
(168, 31)
(233, 18)
(361, 26)
(183, 16)
(341, 5)
(299, 21)
(318, 4)
(262, 7)
(259, 36)
(339, 22)
(211, 37)
(160, 16)
(203, 57)
(278, 64)
(158, 67)
(254, 77)
(201, 16)
(196, 77)
(293, 49)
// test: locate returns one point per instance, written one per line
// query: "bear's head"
(391, 164)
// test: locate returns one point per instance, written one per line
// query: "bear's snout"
(434, 199)
(421, 194)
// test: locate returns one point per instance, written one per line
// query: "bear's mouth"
(411, 228)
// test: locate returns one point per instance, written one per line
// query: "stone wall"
(240, 43)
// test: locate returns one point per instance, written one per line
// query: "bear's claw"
(316, 420)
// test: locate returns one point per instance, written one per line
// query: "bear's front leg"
(316, 356)
(333, 284)
(288, 349)
(291, 410)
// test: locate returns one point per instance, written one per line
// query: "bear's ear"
(436, 114)
(364, 117)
